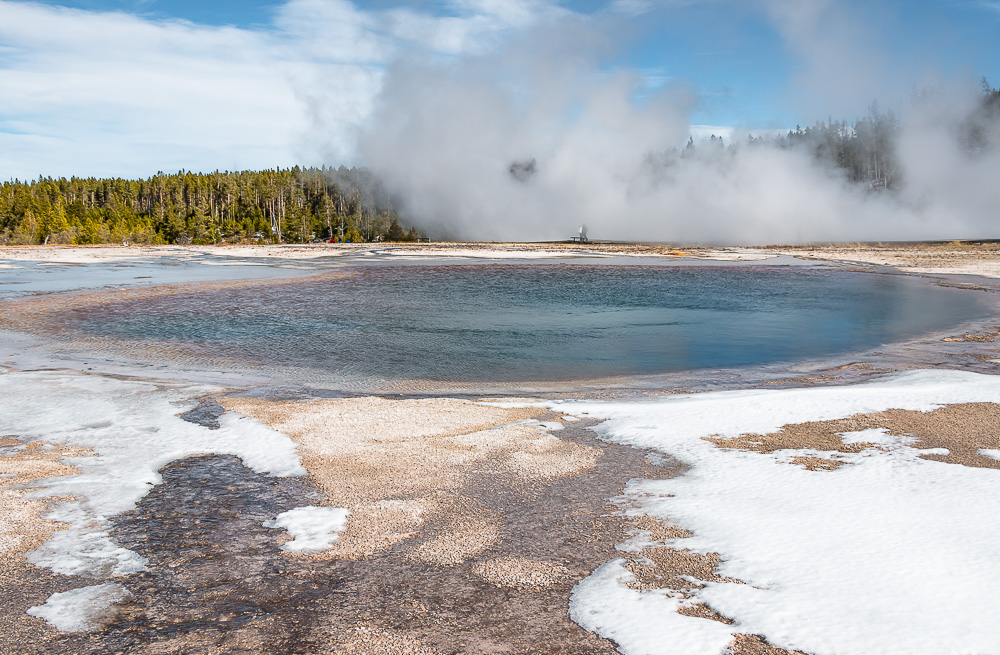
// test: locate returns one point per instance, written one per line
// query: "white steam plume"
(446, 131)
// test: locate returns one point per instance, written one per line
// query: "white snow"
(892, 554)
(134, 429)
(992, 454)
(79, 610)
(313, 528)
(543, 426)
(878, 436)
(550, 426)
(412, 254)
(641, 623)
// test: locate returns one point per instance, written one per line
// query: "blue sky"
(128, 87)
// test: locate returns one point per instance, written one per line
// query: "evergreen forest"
(863, 151)
(296, 205)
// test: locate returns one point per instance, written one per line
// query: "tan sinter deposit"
(400, 466)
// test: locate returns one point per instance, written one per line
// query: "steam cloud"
(537, 137)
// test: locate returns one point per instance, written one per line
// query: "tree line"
(293, 205)
(865, 149)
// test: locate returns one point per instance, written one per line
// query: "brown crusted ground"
(366, 639)
(22, 529)
(397, 464)
(988, 336)
(23, 586)
(812, 463)
(657, 530)
(817, 435)
(520, 572)
(963, 429)
(661, 566)
(217, 582)
(367, 453)
(827, 375)
(756, 645)
(803, 381)
(859, 366)
(952, 258)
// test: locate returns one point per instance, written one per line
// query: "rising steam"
(528, 142)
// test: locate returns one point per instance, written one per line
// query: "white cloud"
(110, 93)
(113, 94)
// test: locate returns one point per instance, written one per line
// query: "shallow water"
(541, 322)
(216, 576)
(217, 581)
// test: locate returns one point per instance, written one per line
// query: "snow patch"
(85, 547)
(81, 609)
(544, 426)
(313, 528)
(891, 554)
(134, 430)
(992, 454)
(551, 426)
(642, 623)
(877, 436)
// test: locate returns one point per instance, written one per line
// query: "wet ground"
(217, 580)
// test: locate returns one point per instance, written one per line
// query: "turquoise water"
(543, 322)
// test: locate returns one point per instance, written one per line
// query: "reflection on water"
(541, 322)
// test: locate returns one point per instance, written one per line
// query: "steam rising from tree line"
(493, 148)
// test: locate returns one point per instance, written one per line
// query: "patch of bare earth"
(865, 367)
(812, 463)
(757, 645)
(662, 565)
(520, 572)
(819, 435)
(22, 529)
(962, 429)
(366, 640)
(399, 464)
(988, 336)
(469, 524)
(963, 258)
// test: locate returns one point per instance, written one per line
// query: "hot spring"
(542, 322)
